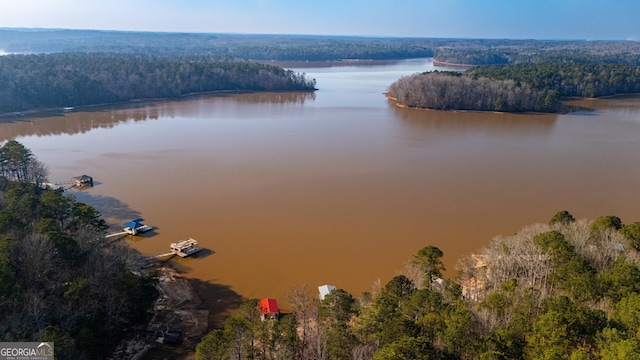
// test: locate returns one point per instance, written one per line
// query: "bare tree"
(305, 307)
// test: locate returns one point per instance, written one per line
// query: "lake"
(339, 186)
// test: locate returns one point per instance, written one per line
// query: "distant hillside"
(249, 47)
(320, 48)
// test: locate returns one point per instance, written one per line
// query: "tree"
(632, 233)
(55, 205)
(562, 217)
(9, 287)
(406, 348)
(621, 280)
(606, 222)
(458, 335)
(336, 311)
(213, 346)
(241, 328)
(85, 215)
(305, 308)
(628, 312)
(18, 163)
(64, 345)
(615, 346)
(548, 339)
(428, 259)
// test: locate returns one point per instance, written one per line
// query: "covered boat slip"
(135, 227)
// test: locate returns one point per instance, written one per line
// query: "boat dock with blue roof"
(134, 227)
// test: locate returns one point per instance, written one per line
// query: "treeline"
(248, 47)
(584, 80)
(456, 91)
(514, 87)
(564, 290)
(59, 280)
(74, 79)
(531, 51)
(320, 48)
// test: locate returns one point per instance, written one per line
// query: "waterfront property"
(269, 309)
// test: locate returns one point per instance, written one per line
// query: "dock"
(82, 181)
(184, 248)
(135, 227)
(116, 234)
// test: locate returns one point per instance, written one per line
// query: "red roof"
(268, 306)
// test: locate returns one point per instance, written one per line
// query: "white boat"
(184, 248)
(135, 227)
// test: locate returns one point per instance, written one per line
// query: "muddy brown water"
(338, 186)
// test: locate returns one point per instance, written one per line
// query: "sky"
(513, 19)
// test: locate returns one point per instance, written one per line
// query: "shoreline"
(444, 63)
(405, 106)
(58, 111)
(563, 110)
(178, 305)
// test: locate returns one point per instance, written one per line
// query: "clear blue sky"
(515, 19)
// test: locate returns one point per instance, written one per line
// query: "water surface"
(337, 186)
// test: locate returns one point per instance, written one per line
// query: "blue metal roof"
(133, 223)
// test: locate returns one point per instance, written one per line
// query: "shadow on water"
(203, 253)
(220, 299)
(109, 207)
(457, 122)
(145, 235)
(573, 109)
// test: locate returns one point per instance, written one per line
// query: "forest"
(514, 87)
(568, 79)
(578, 52)
(237, 46)
(456, 91)
(568, 289)
(60, 280)
(74, 79)
(320, 48)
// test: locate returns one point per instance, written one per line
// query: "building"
(325, 290)
(269, 309)
(82, 180)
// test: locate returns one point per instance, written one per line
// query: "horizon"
(455, 19)
(35, 29)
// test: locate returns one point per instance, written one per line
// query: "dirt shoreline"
(178, 306)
